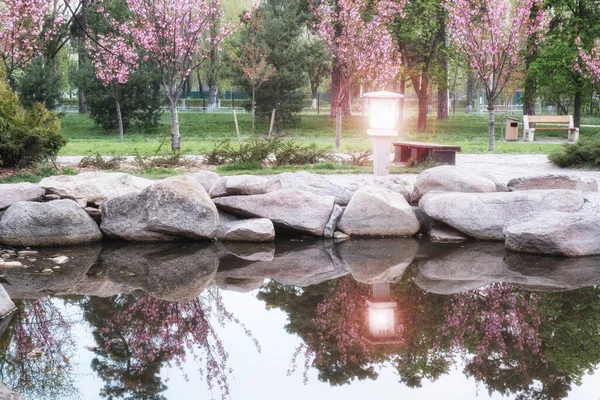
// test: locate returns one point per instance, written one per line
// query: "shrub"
(585, 153)
(242, 166)
(40, 83)
(100, 162)
(26, 136)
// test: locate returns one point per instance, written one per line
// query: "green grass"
(201, 132)
(36, 174)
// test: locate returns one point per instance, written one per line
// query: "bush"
(585, 153)
(40, 83)
(97, 161)
(26, 136)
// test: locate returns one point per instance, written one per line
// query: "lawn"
(201, 132)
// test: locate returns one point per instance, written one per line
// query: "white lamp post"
(383, 111)
(382, 313)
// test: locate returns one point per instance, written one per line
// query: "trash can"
(512, 129)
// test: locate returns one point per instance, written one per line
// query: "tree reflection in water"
(35, 351)
(516, 342)
(137, 334)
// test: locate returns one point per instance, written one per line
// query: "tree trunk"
(120, 119)
(338, 126)
(253, 107)
(490, 125)
(423, 101)
(175, 137)
(339, 95)
(470, 85)
(83, 105)
(577, 106)
(314, 91)
(442, 111)
(213, 97)
(401, 108)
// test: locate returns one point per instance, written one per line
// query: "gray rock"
(6, 304)
(94, 187)
(448, 178)
(206, 179)
(592, 202)
(337, 235)
(14, 192)
(331, 225)
(249, 184)
(219, 188)
(234, 229)
(51, 197)
(553, 181)
(60, 222)
(375, 211)
(7, 394)
(81, 202)
(555, 233)
(378, 260)
(169, 209)
(484, 215)
(288, 208)
(227, 251)
(393, 183)
(168, 272)
(447, 235)
(311, 183)
(241, 285)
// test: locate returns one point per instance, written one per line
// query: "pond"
(301, 318)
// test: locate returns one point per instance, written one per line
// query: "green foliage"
(37, 173)
(40, 83)
(241, 166)
(26, 136)
(140, 99)
(585, 153)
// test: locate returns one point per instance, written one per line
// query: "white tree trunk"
(175, 137)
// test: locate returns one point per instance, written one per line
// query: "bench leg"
(528, 135)
(574, 135)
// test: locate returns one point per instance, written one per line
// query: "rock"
(51, 197)
(60, 222)
(238, 285)
(244, 230)
(288, 208)
(7, 394)
(553, 181)
(47, 271)
(24, 253)
(14, 192)
(206, 179)
(248, 185)
(219, 188)
(10, 264)
(167, 210)
(94, 187)
(448, 178)
(6, 304)
(94, 213)
(555, 233)
(337, 235)
(81, 203)
(484, 215)
(592, 202)
(446, 235)
(264, 251)
(168, 272)
(375, 211)
(426, 223)
(334, 218)
(378, 260)
(311, 183)
(393, 183)
(60, 259)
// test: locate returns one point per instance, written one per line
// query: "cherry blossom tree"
(114, 60)
(26, 26)
(590, 61)
(356, 33)
(174, 35)
(493, 35)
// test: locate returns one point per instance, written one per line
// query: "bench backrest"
(548, 119)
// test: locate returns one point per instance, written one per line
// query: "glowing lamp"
(383, 117)
(382, 319)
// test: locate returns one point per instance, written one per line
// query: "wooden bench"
(529, 132)
(418, 152)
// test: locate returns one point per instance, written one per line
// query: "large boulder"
(60, 222)
(375, 211)
(288, 208)
(7, 394)
(393, 183)
(448, 178)
(312, 183)
(244, 230)
(553, 181)
(13, 192)
(173, 208)
(484, 215)
(555, 233)
(94, 187)
(243, 185)
(206, 179)
(378, 260)
(6, 304)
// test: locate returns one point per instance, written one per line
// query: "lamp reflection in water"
(383, 315)
(383, 118)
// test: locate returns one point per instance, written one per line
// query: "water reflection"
(357, 306)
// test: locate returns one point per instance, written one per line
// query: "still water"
(300, 319)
